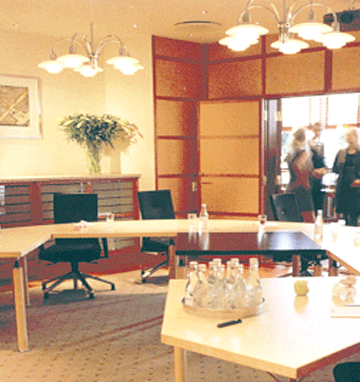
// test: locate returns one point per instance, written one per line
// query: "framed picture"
(19, 108)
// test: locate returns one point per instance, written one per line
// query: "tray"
(224, 313)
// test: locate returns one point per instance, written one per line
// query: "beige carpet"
(115, 337)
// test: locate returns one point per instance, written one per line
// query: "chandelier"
(88, 64)
(246, 33)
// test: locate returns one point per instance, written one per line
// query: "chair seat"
(64, 253)
(156, 244)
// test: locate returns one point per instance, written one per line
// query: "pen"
(228, 323)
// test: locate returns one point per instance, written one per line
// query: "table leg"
(20, 312)
(172, 263)
(180, 364)
(26, 281)
(333, 269)
(296, 264)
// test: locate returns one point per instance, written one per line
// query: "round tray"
(224, 313)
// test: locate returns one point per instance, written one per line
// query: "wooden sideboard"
(29, 201)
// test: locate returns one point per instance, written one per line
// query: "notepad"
(345, 311)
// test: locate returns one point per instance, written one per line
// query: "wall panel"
(177, 49)
(184, 199)
(229, 156)
(227, 118)
(235, 79)
(178, 79)
(235, 195)
(177, 118)
(300, 73)
(346, 68)
(221, 52)
(176, 156)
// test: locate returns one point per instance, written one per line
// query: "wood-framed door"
(230, 159)
(272, 151)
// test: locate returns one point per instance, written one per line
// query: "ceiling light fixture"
(246, 33)
(88, 65)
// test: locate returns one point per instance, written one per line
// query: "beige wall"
(129, 97)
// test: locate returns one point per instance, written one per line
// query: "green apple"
(301, 287)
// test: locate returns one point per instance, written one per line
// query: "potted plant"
(92, 131)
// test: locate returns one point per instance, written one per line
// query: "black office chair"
(347, 372)
(285, 208)
(71, 208)
(155, 205)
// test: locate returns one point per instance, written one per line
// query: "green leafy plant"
(93, 131)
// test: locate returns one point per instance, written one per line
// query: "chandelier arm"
(111, 38)
(71, 39)
(87, 46)
(310, 4)
(270, 9)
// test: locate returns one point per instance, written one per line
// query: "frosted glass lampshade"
(72, 60)
(87, 70)
(247, 32)
(336, 40)
(51, 66)
(290, 46)
(310, 30)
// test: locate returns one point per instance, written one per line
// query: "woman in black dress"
(299, 160)
(347, 165)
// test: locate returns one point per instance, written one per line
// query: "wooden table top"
(292, 337)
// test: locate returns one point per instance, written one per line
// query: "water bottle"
(203, 219)
(230, 284)
(319, 226)
(253, 285)
(191, 282)
(201, 290)
(215, 286)
(240, 289)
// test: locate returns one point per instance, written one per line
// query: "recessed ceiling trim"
(192, 26)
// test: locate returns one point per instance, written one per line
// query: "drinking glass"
(110, 218)
(262, 220)
(334, 228)
(192, 218)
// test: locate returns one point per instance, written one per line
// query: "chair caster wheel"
(43, 286)
(46, 295)
(91, 296)
(112, 287)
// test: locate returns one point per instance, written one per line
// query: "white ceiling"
(130, 19)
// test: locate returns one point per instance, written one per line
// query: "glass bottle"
(201, 289)
(213, 283)
(230, 284)
(319, 226)
(240, 289)
(219, 290)
(253, 285)
(191, 282)
(203, 219)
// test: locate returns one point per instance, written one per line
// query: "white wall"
(129, 97)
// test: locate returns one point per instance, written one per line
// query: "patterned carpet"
(113, 338)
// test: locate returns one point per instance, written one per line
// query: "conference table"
(293, 336)
(16, 243)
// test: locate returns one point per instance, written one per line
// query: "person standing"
(299, 160)
(347, 165)
(317, 148)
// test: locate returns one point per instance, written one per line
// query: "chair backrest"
(285, 208)
(156, 204)
(71, 208)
